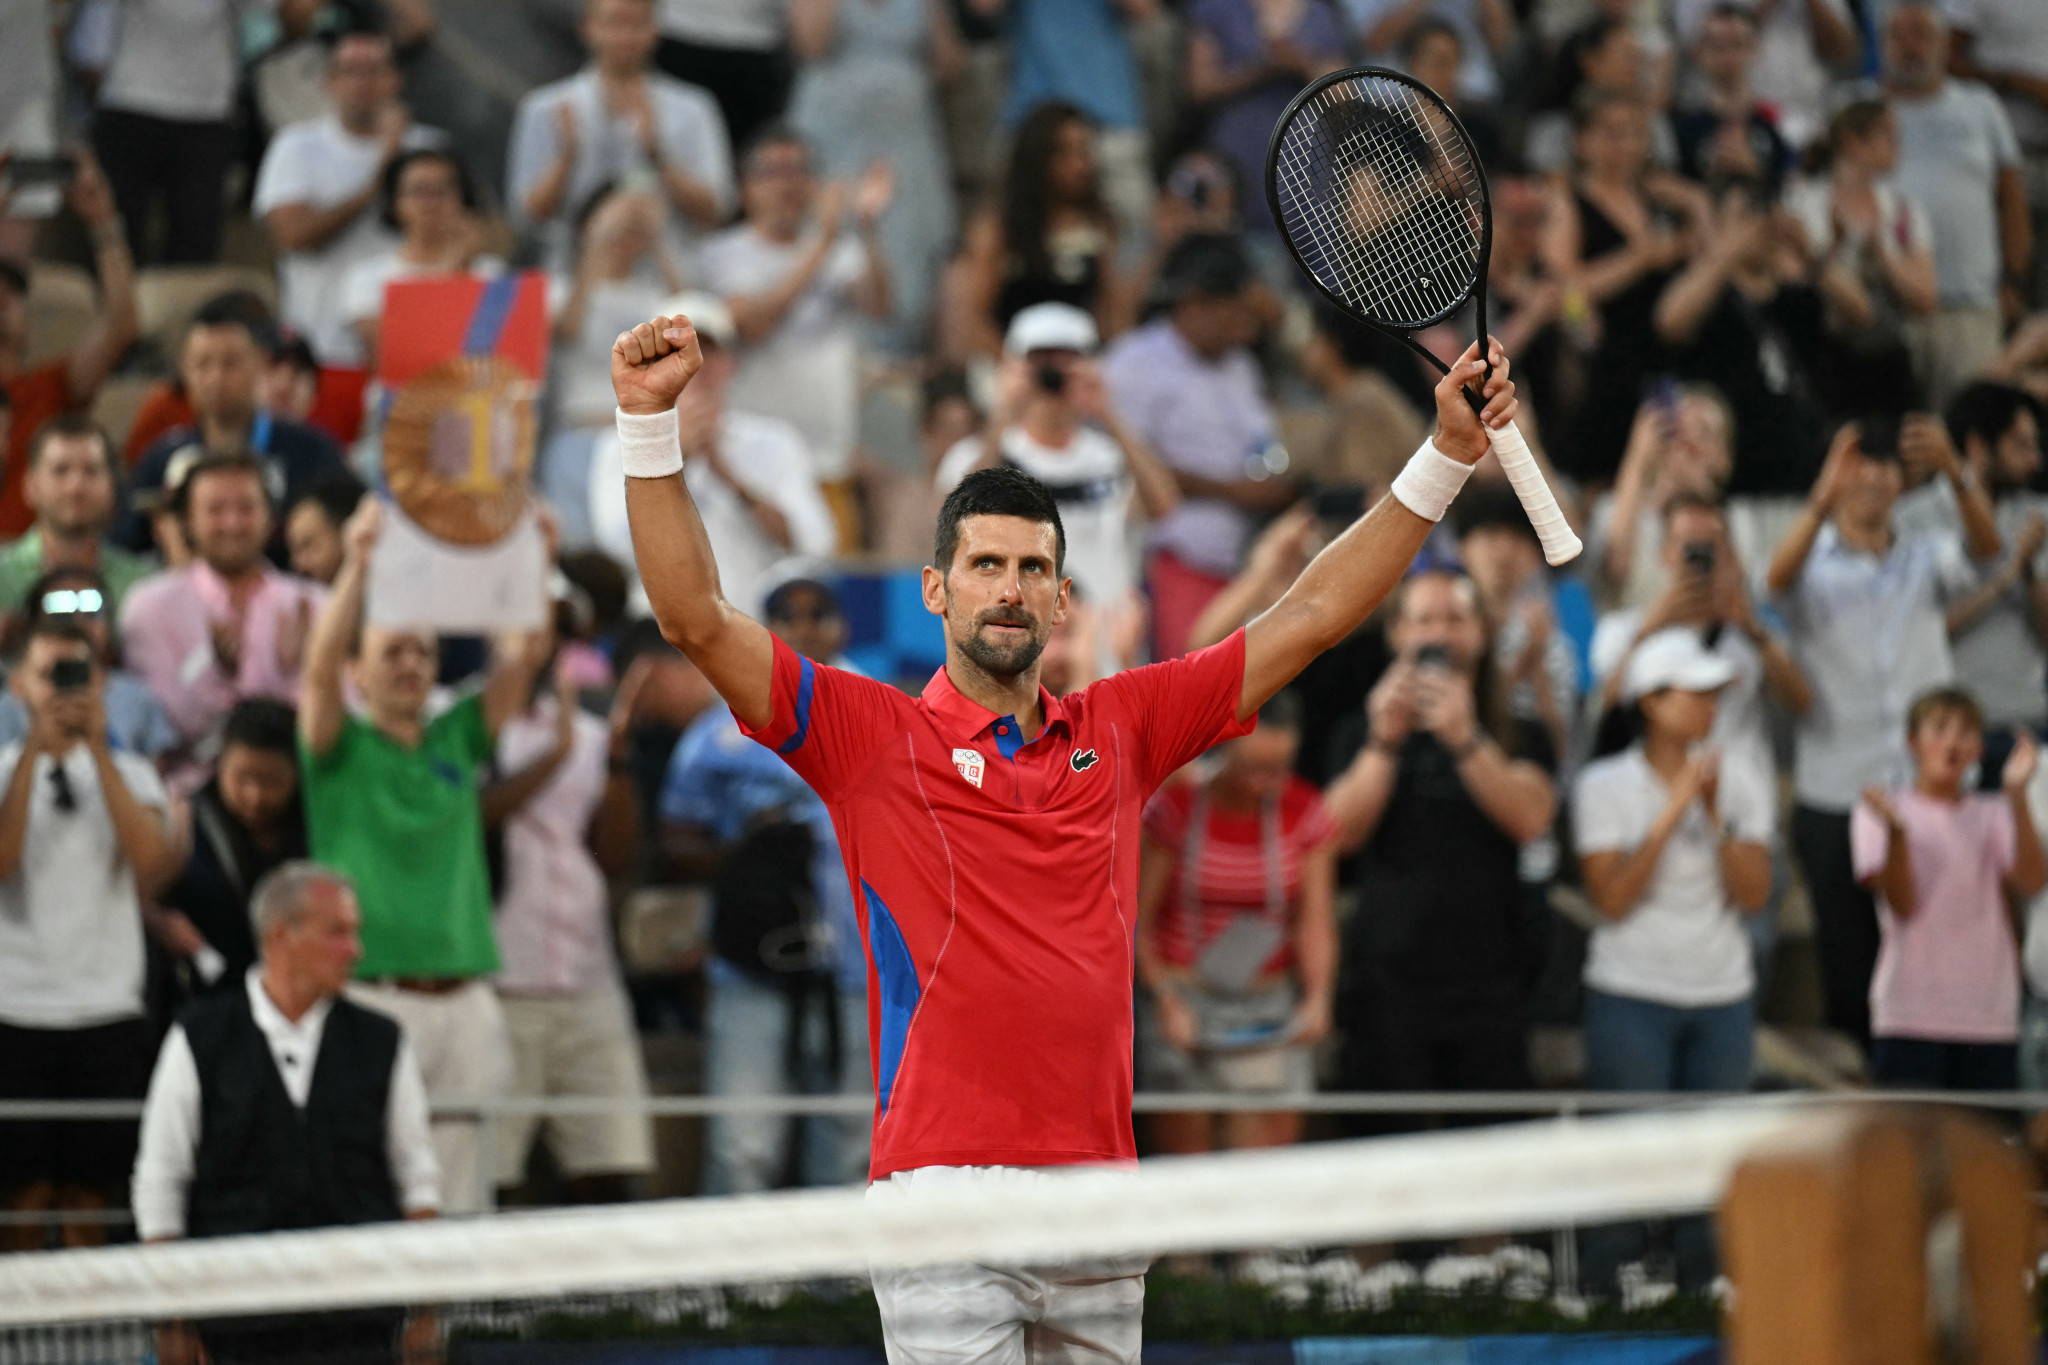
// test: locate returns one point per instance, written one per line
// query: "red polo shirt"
(997, 886)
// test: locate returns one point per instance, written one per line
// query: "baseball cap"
(706, 312)
(1675, 657)
(1051, 327)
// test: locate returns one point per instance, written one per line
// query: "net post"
(1880, 1235)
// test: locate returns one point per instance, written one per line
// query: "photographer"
(83, 839)
(1052, 421)
(1445, 789)
(1705, 593)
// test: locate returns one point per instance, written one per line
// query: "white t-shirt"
(1683, 944)
(1093, 488)
(319, 163)
(767, 456)
(70, 920)
(176, 59)
(2012, 35)
(807, 371)
(1739, 722)
(1952, 145)
(362, 289)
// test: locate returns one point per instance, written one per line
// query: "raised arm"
(93, 358)
(322, 707)
(651, 366)
(1789, 560)
(1346, 582)
(1894, 880)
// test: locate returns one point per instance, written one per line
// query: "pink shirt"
(554, 917)
(1951, 973)
(167, 635)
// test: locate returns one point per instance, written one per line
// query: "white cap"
(1051, 327)
(1675, 657)
(706, 312)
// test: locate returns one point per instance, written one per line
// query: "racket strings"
(1381, 197)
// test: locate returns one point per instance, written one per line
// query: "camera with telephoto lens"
(1050, 378)
(1699, 557)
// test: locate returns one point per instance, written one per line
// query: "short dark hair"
(337, 496)
(776, 134)
(1987, 411)
(64, 426)
(263, 724)
(387, 195)
(1740, 13)
(219, 462)
(1206, 265)
(998, 492)
(1945, 701)
(1423, 32)
(1491, 506)
(602, 580)
(1689, 501)
(243, 308)
(777, 605)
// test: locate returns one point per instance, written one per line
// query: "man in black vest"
(285, 1106)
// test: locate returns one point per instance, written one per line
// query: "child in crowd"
(1942, 860)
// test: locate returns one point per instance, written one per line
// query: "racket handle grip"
(1560, 544)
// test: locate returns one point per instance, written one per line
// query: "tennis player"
(990, 831)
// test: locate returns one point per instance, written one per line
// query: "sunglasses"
(73, 602)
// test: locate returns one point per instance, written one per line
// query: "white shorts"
(1079, 1312)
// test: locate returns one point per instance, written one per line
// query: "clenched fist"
(653, 364)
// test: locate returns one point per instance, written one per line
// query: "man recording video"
(1052, 420)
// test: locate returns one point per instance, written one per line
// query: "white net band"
(1502, 1179)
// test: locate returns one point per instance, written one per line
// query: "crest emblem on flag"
(969, 762)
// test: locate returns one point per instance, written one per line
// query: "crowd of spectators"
(1769, 276)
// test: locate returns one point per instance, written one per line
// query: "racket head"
(1380, 197)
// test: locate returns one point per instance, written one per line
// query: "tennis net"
(1252, 1247)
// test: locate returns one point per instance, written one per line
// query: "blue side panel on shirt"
(896, 978)
(805, 680)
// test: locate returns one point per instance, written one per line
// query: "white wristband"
(1428, 482)
(649, 447)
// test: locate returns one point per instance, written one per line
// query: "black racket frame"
(1476, 294)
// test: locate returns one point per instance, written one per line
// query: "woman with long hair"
(1049, 238)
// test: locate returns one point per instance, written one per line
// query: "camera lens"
(1052, 378)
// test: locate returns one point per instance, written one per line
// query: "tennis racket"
(1382, 202)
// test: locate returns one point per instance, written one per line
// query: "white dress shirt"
(1871, 635)
(168, 1152)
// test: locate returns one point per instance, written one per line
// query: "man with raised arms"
(990, 830)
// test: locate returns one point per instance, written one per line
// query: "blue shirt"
(720, 779)
(136, 722)
(1072, 50)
